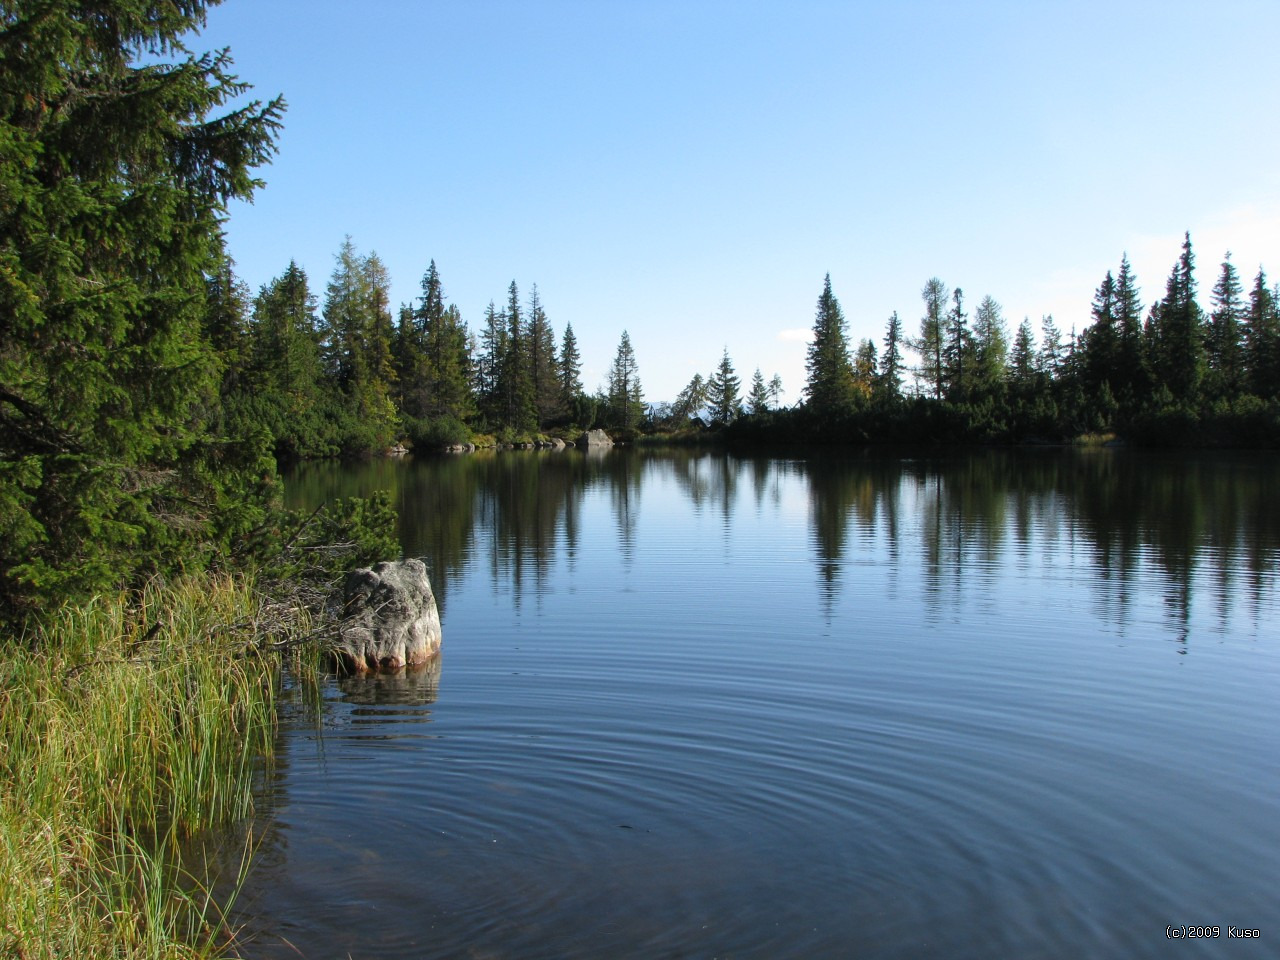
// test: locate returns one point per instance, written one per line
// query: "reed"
(128, 725)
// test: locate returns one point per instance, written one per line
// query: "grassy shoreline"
(129, 724)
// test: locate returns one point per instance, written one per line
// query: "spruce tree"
(864, 369)
(1262, 340)
(1052, 356)
(692, 400)
(1023, 360)
(1101, 339)
(830, 370)
(286, 391)
(890, 378)
(357, 348)
(116, 171)
(570, 368)
(1224, 343)
(449, 346)
(957, 349)
(758, 397)
(775, 390)
(543, 367)
(931, 343)
(626, 398)
(226, 322)
(1177, 331)
(722, 392)
(493, 347)
(433, 356)
(991, 346)
(1132, 374)
(515, 380)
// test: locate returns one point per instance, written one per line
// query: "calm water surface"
(689, 705)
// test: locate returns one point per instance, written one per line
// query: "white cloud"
(795, 335)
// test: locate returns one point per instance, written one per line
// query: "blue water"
(874, 706)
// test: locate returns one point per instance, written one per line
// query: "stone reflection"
(416, 686)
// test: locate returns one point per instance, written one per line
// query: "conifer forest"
(147, 396)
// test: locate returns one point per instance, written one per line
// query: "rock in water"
(595, 438)
(389, 618)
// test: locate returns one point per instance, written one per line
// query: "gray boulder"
(389, 618)
(595, 438)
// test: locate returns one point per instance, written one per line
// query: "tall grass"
(127, 725)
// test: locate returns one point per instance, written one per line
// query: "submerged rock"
(389, 618)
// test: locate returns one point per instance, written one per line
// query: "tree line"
(147, 396)
(1176, 374)
(343, 377)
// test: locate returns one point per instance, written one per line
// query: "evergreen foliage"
(284, 388)
(758, 397)
(625, 397)
(1225, 337)
(1262, 339)
(830, 370)
(1176, 334)
(143, 392)
(891, 365)
(723, 392)
(930, 345)
(692, 400)
(570, 368)
(865, 367)
(958, 350)
(114, 176)
(991, 347)
(357, 352)
(544, 373)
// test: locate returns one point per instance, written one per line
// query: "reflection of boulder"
(389, 618)
(409, 686)
(595, 438)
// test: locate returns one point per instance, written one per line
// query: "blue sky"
(689, 171)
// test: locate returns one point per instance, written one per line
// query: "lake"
(880, 705)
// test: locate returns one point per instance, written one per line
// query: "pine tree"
(830, 371)
(722, 392)
(115, 176)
